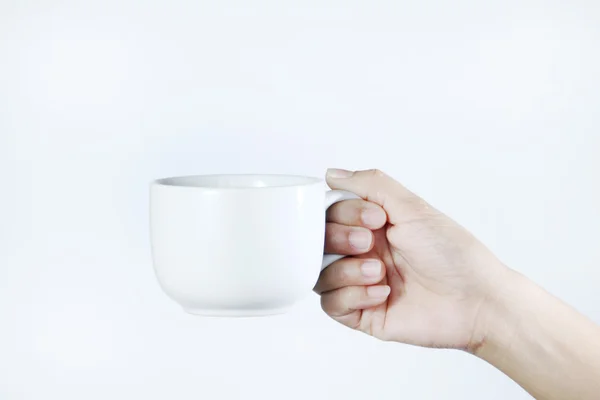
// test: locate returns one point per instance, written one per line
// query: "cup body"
(237, 245)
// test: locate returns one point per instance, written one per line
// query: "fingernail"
(372, 217)
(378, 291)
(360, 240)
(370, 268)
(338, 173)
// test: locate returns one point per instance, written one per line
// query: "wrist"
(543, 344)
(497, 321)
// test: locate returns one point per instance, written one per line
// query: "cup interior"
(240, 181)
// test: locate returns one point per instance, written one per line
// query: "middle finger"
(347, 240)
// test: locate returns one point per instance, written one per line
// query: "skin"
(416, 276)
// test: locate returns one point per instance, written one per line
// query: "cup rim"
(172, 181)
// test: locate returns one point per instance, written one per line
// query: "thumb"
(377, 187)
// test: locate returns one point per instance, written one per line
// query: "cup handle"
(332, 197)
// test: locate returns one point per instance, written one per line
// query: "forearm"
(546, 346)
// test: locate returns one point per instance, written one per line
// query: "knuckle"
(379, 173)
(350, 296)
(342, 275)
(346, 271)
(375, 173)
(334, 303)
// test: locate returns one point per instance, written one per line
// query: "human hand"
(415, 275)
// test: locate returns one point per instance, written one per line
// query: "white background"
(490, 110)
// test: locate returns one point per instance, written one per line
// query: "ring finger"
(350, 272)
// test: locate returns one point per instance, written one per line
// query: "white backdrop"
(490, 110)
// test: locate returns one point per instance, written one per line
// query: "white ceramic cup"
(239, 245)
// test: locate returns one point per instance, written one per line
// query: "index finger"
(357, 212)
